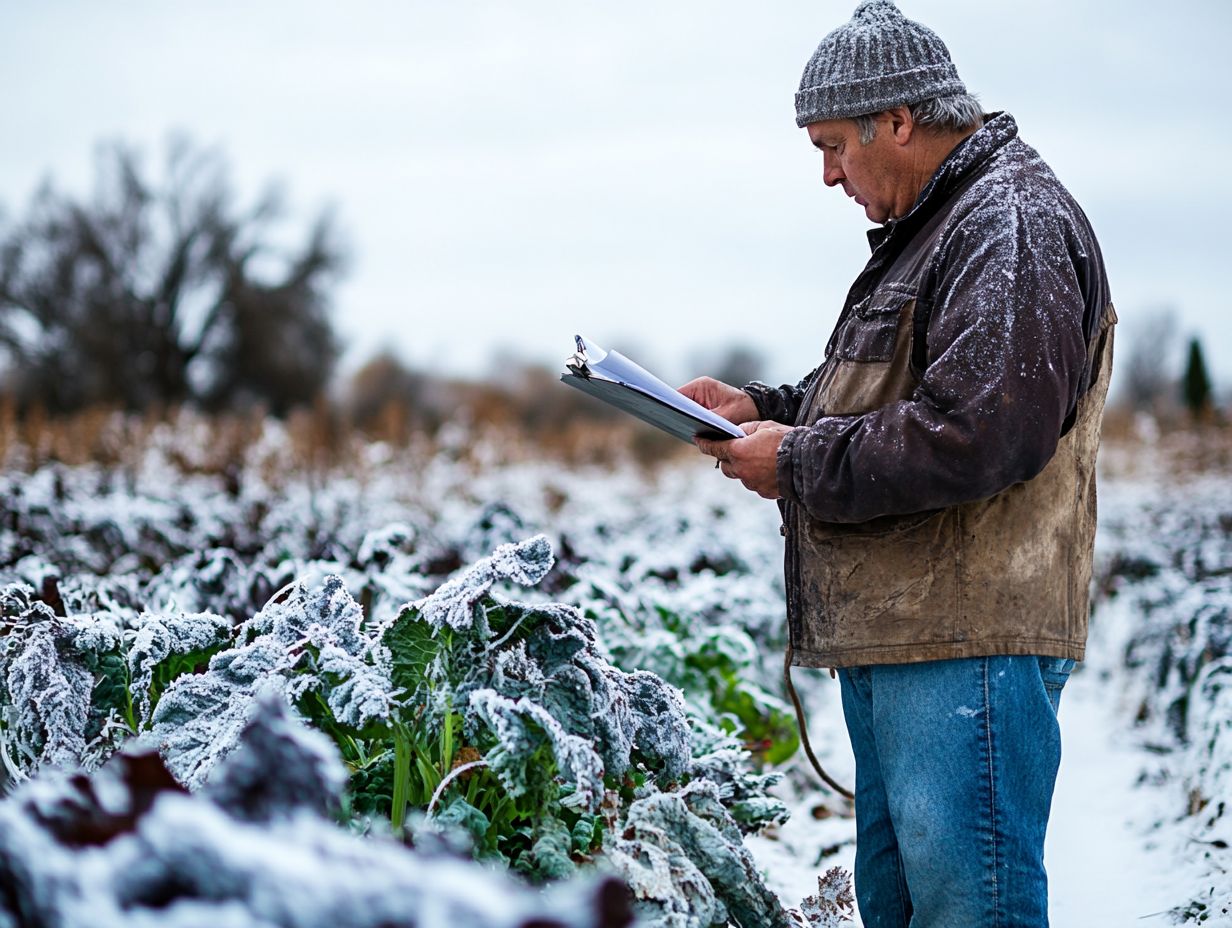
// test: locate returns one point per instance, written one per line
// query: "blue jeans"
(955, 766)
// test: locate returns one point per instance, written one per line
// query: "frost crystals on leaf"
(520, 727)
(691, 832)
(833, 905)
(161, 636)
(525, 563)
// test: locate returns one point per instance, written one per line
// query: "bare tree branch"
(106, 284)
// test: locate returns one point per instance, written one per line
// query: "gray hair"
(955, 113)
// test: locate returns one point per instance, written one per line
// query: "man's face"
(871, 174)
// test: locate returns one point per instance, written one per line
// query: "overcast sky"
(509, 173)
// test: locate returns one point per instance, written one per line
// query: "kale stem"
(129, 715)
(447, 739)
(402, 777)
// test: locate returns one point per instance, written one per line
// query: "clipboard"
(611, 377)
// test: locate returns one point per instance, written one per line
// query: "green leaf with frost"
(459, 813)
(551, 850)
(669, 839)
(112, 696)
(724, 761)
(521, 727)
(163, 647)
(413, 646)
(453, 605)
(200, 717)
(47, 682)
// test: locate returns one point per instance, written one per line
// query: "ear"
(902, 126)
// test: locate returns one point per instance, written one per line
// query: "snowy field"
(566, 673)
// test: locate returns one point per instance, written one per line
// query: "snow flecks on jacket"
(1015, 290)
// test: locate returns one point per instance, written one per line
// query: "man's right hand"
(732, 403)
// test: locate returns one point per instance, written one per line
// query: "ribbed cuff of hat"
(873, 95)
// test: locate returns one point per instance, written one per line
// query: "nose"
(832, 172)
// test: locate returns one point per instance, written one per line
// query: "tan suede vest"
(1005, 575)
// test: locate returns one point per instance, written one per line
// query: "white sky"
(509, 173)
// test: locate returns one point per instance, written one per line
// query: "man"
(936, 476)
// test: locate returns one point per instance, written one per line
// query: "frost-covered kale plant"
(128, 847)
(463, 713)
(73, 687)
(1166, 588)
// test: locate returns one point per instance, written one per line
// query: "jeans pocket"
(1055, 671)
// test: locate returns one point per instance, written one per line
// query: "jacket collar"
(968, 156)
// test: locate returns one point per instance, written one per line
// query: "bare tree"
(160, 292)
(1147, 376)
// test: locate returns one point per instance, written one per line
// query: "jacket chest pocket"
(871, 332)
(870, 366)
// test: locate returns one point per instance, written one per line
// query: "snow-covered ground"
(1104, 868)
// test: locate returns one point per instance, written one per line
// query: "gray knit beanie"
(877, 61)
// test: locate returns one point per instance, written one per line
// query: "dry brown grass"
(318, 440)
(97, 435)
(1167, 448)
(487, 430)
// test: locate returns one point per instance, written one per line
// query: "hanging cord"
(804, 738)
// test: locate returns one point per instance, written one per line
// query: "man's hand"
(732, 403)
(751, 460)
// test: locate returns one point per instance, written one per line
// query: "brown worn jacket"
(939, 494)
